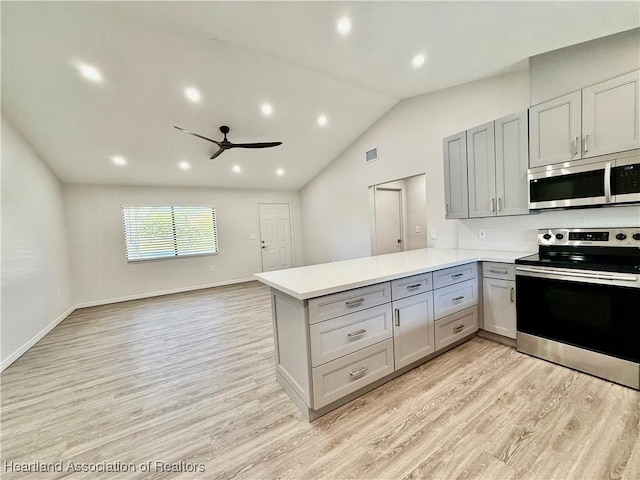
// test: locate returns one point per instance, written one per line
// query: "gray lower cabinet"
(413, 328)
(499, 299)
(332, 348)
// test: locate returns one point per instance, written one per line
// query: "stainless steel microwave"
(606, 180)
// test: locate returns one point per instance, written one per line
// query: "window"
(169, 232)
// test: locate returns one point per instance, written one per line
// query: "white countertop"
(317, 280)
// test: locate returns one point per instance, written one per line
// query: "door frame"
(372, 213)
(293, 248)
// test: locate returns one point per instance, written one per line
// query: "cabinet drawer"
(340, 336)
(345, 375)
(449, 276)
(454, 327)
(338, 304)
(504, 271)
(454, 298)
(405, 287)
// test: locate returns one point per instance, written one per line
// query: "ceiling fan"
(225, 144)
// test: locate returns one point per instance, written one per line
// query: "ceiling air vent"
(371, 155)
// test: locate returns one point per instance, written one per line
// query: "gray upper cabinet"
(481, 167)
(512, 161)
(597, 120)
(611, 116)
(555, 131)
(455, 176)
(497, 164)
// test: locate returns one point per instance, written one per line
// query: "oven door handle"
(565, 273)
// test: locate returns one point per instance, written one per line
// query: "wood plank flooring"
(190, 378)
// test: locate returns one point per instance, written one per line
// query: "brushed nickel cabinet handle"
(397, 312)
(586, 142)
(357, 332)
(511, 294)
(415, 285)
(458, 329)
(503, 272)
(457, 299)
(575, 146)
(356, 301)
(456, 275)
(359, 373)
(492, 202)
(498, 203)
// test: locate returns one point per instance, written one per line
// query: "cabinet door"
(455, 176)
(499, 303)
(611, 116)
(481, 167)
(512, 161)
(413, 335)
(555, 131)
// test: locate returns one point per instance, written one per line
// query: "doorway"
(398, 215)
(388, 217)
(275, 236)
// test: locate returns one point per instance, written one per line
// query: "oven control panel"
(602, 237)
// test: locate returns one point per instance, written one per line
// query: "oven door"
(572, 186)
(597, 311)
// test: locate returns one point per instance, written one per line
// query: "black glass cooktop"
(603, 263)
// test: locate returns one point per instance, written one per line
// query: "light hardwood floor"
(190, 377)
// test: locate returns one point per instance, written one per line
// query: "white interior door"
(275, 236)
(388, 215)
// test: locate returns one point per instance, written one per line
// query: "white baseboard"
(138, 296)
(35, 339)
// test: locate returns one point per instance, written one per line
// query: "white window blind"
(168, 232)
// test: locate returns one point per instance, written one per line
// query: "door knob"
(399, 241)
(264, 246)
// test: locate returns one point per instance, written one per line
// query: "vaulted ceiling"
(241, 55)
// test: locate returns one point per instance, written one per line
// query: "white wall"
(99, 268)
(569, 69)
(416, 212)
(409, 138)
(35, 273)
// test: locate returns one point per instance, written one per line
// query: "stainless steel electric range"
(578, 301)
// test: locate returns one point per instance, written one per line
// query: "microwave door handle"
(607, 183)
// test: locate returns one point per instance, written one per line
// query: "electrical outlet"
(482, 234)
(417, 228)
(58, 293)
(212, 268)
(252, 236)
(433, 234)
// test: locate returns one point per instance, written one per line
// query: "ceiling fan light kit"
(225, 144)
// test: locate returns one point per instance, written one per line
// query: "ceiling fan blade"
(217, 154)
(197, 135)
(255, 145)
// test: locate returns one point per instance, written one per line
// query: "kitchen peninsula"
(344, 328)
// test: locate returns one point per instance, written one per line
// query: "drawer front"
(340, 336)
(343, 303)
(504, 271)
(449, 276)
(345, 375)
(454, 327)
(405, 287)
(454, 298)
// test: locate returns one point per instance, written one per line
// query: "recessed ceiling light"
(192, 94)
(267, 109)
(280, 172)
(185, 166)
(237, 169)
(418, 60)
(322, 120)
(89, 72)
(118, 160)
(344, 26)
